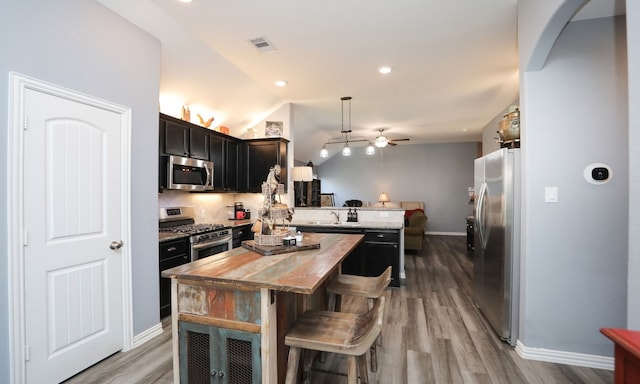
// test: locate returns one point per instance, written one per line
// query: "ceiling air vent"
(262, 44)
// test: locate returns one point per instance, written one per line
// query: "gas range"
(181, 220)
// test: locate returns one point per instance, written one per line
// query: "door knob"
(115, 245)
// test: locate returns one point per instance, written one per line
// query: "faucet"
(336, 214)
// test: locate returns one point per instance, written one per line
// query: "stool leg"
(292, 365)
(362, 369)
(352, 370)
(331, 305)
(373, 354)
(307, 363)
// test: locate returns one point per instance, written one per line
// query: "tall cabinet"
(261, 155)
(310, 193)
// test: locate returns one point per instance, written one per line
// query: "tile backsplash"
(211, 207)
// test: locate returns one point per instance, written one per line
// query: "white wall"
(83, 46)
(436, 174)
(574, 113)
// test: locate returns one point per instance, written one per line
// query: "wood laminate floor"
(432, 334)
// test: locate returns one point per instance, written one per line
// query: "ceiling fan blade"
(391, 143)
(406, 139)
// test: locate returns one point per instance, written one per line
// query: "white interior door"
(73, 279)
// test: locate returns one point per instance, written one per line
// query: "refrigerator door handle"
(480, 213)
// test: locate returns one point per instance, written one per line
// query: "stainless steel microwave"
(189, 174)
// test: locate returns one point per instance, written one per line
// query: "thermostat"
(597, 173)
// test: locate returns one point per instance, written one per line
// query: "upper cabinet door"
(199, 143)
(233, 165)
(176, 139)
(217, 155)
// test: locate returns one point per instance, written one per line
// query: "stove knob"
(202, 237)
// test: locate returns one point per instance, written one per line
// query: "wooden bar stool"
(335, 332)
(358, 286)
(370, 288)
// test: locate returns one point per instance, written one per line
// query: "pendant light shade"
(346, 151)
(370, 150)
(323, 152)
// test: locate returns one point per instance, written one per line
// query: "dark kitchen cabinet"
(261, 155)
(310, 193)
(240, 234)
(382, 249)
(470, 233)
(239, 165)
(181, 138)
(172, 254)
(199, 139)
(210, 354)
(175, 138)
(353, 263)
(225, 155)
(234, 165)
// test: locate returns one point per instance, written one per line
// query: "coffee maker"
(238, 208)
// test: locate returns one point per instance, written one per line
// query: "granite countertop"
(346, 224)
(168, 236)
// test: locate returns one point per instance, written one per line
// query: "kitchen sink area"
(383, 231)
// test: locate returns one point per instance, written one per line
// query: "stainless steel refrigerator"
(496, 274)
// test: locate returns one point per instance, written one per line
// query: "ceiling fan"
(382, 140)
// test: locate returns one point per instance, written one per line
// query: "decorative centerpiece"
(273, 212)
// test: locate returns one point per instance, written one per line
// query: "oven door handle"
(218, 241)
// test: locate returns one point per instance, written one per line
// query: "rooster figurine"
(204, 123)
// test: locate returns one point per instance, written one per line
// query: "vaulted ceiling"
(454, 64)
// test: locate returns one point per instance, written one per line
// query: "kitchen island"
(230, 311)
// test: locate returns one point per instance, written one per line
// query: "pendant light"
(346, 137)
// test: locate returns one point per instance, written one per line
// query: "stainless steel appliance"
(204, 239)
(496, 280)
(189, 174)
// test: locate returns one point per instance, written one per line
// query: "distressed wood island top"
(299, 272)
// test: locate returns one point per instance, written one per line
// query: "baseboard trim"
(563, 357)
(446, 233)
(147, 335)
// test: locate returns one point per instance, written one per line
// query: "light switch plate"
(551, 194)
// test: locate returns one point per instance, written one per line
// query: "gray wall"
(633, 59)
(437, 174)
(575, 252)
(83, 46)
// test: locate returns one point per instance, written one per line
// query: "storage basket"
(273, 239)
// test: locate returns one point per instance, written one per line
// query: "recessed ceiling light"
(384, 70)
(184, 1)
(281, 83)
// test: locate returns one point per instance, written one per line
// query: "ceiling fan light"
(381, 141)
(346, 151)
(371, 150)
(324, 152)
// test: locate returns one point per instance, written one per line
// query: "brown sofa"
(414, 230)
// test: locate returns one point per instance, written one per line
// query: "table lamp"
(383, 198)
(302, 174)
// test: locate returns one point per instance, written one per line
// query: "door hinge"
(27, 353)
